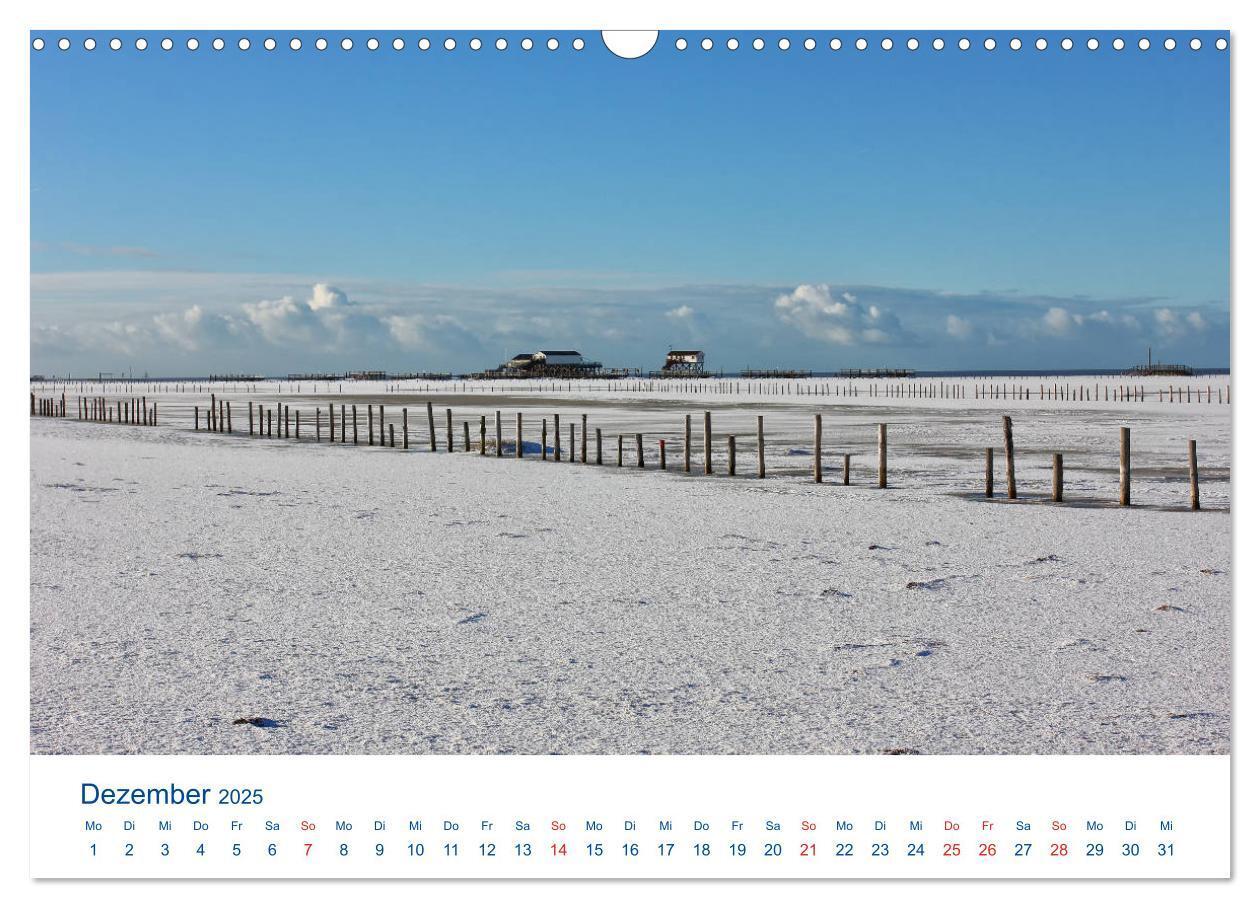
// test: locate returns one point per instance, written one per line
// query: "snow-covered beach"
(371, 600)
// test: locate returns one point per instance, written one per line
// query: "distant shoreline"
(805, 374)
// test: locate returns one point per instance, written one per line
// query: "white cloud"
(1059, 321)
(681, 313)
(957, 327)
(812, 310)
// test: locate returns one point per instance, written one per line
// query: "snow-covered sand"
(374, 601)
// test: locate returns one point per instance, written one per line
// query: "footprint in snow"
(1166, 607)
(258, 722)
(1104, 679)
(936, 584)
(473, 619)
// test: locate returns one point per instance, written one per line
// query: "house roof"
(686, 352)
(559, 353)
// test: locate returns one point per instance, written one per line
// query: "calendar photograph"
(469, 393)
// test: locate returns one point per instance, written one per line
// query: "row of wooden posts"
(898, 390)
(1056, 468)
(135, 411)
(285, 422)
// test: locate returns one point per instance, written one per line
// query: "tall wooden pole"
(1124, 466)
(1008, 444)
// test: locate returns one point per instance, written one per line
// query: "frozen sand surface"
(373, 601)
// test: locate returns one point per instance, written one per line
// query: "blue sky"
(283, 211)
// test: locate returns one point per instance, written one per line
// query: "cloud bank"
(174, 323)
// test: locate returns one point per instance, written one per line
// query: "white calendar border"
(648, 13)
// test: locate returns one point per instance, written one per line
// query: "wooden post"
(1056, 478)
(1194, 475)
(297, 423)
(155, 413)
(988, 472)
(520, 436)
(319, 435)
(583, 438)
(483, 436)
(556, 426)
(391, 434)
(572, 443)
(381, 422)
(467, 439)
(371, 432)
(883, 455)
(662, 447)
(1124, 466)
(817, 447)
(544, 438)
(846, 469)
(450, 432)
(687, 444)
(406, 432)
(730, 455)
(196, 419)
(251, 417)
(638, 447)
(708, 443)
(620, 449)
(286, 420)
(761, 450)
(354, 418)
(433, 431)
(599, 445)
(1008, 445)
(498, 434)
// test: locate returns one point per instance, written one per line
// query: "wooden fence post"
(687, 444)
(662, 447)
(370, 432)
(354, 420)
(250, 407)
(638, 447)
(572, 442)
(620, 450)
(433, 431)
(883, 455)
(1008, 445)
(483, 436)
(556, 427)
(319, 415)
(467, 439)
(761, 450)
(1194, 475)
(391, 434)
(498, 433)
(450, 432)
(708, 443)
(730, 455)
(583, 438)
(988, 472)
(599, 446)
(1124, 466)
(1056, 478)
(520, 436)
(817, 447)
(846, 469)
(196, 419)
(406, 431)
